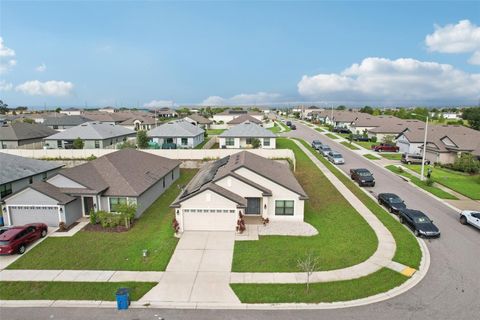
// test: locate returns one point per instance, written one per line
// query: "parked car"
(384, 147)
(418, 221)
(324, 149)
(335, 157)
(470, 217)
(391, 201)
(359, 137)
(293, 127)
(288, 123)
(413, 159)
(4, 228)
(16, 239)
(363, 177)
(316, 144)
(341, 130)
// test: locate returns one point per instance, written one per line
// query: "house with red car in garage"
(125, 176)
(240, 184)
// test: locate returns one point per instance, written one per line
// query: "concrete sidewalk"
(80, 275)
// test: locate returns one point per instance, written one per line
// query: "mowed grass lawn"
(214, 132)
(114, 251)
(200, 146)
(366, 144)
(371, 156)
(275, 129)
(422, 184)
(391, 156)
(466, 184)
(380, 281)
(104, 291)
(331, 136)
(349, 145)
(344, 238)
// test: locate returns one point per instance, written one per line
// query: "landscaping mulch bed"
(70, 227)
(98, 228)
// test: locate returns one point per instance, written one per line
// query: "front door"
(87, 205)
(253, 206)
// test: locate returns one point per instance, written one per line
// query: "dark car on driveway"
(293, 127)
(391, 201)
(363, 177)
(316, 144)
(16, 239)
(418, 221)
(358, 137)
(384, 147)
(341, 130)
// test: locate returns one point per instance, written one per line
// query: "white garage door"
(21, 215)
(209, 219)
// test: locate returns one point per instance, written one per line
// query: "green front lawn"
(331, 135)
(349, 145)
(320, 129)
(275, 129)
(284, 126)
(215, 132)
(380, 281)
(468, 185)
(344, 238)
(45, 290)
(366, 144)
(391, 156)
(90, 250)
(422, 184)
(200, 146)
(371, 156)
(408, 251)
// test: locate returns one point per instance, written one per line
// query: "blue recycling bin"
(123, 298)
(1, 220)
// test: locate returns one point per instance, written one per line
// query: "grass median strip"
(391, 156)
(408, 251)
(377, 282)
(88, 250)
(46, 290)
(344, 238)
(349, 145)
(371, 156)
(422, 184)
(331, 136)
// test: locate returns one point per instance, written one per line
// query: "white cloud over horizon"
(243, 99)
(5, 86)
(47, 88)
(159, 104)
(463, 37)
(392, 80)
(7, 58)
(41, 68)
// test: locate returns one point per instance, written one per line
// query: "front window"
(44, 176)
(114, 202)
(97, 144)
(5, 189)
(266, 142)
(59, 143)
(249, 140)
(229, 141)
(284, 207)
(184, 141)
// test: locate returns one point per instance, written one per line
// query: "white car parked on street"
(470, 217)
(335, 157)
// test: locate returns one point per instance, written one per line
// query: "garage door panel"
(21, 215)
(193, 220)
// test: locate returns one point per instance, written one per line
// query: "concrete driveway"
(199, 270)
(5, 261)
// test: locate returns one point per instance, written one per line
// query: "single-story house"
(243, 118)
(72, 112)
(198, 120)
(139, 123)
(95, 135)
(18, 172)
(126, 176)
(108, 109)
(22, 135)
(166, 112)
(243, 135)
(228, 115)
(239, 184)
(178, 134)
(62, 122)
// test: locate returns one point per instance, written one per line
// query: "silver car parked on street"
(335, 157)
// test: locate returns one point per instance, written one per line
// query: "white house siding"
(146, 199)
(22, 144)
(226, 220)
(278, 193)
(406, 146)
(192, 142)
(241, 143)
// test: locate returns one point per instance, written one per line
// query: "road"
(450, 290)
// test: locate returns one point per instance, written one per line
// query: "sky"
(155, 53)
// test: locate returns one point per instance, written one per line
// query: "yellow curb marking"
(408, 271)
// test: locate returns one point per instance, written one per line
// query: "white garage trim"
(200, 219)
(31, 207)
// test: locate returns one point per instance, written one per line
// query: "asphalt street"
(450, 290)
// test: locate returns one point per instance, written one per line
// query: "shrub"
(373, 139)
(78, 143)
(142, 139)
(467, 163)
(110, 219)
(127, 145)
(62, 226)
(91, 157)
(93, 217)
(256, 143)
(429, 182)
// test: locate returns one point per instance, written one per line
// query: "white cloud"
(392, 80)
(7, 55)
(160, 104)
(242, 99)
(462, 37)
(48, 88)
(5, 86)
(41, 68)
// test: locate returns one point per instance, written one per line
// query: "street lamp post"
(422, 177)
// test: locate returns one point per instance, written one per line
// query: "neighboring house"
(22, 135)
(199, 121)
(108, 118)
(394, 128)
(139, 123)
(242, 183)
(61, 123)
(243, 135)
(94, 135)
(177, 134)
(108, 109)
(243, 118)
(166, 113)
(126, 176)
(18, 172)
(228, 115)
(72, 112)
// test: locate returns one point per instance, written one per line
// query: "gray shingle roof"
(24, 131)
(92, 131)
(243, 118)
(52, 191)
(247, 129)
(177, 128)
(65, 120)
(198, 118)
(15, 167)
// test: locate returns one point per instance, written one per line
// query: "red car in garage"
(16, 239)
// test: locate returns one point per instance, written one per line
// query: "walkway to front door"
(199, 270)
